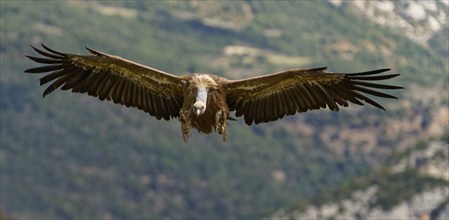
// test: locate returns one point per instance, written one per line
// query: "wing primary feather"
(118, 90)
(139, 97)
(371, 72)
(125, 94)
(348, 95)
(320, 94)
(48, 68)
(75, 79)
(248, 116)
(351, 85)
(162, 106)
(273, 108)
(307, 96)
(301, 103)
(268, 108)
(315, 98)
(331, 98)
(147, 101)
(172, 106)
(112, 91)
(135, 97)
(101, 91)
(369, 101)
(138, 100)
(103, 81)
(151, 109)
(80, 87)
(240, 111)
(54, 51)
(280, 104)
(326, 97)
(288, 102)
(257, 111)
(129, 93)
(99, 78)
(165, 103)
(178, 102)
(122, 92)
(106, 91)
(232, 104)
(45, 60)
(377, 86)
(139, 103)
(283, 106)
(88, 81)
(144, 100)
(56, 74)
(291, 101)
(355, 96)
(55, 85)
(337, 97)
(159, 108)
(239, 103)
(43, 53)
(374, 93)
(383, 77)
(156, 106)
(151, 104)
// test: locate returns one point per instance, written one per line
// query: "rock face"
(431, 203)
(421, 206)
(418, 20)
(430, 161)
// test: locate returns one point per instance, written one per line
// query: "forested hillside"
(70, 156)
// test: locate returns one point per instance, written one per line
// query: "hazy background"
(70, 156)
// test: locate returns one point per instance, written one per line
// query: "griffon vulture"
(204, 101)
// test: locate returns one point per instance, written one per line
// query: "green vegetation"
(70, 156)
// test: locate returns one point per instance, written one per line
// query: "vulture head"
(202, 86)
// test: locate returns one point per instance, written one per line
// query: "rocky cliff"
(387, 195)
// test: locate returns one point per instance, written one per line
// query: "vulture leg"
(220, 123)
(185, 124)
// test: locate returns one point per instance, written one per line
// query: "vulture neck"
(201, 101)
(203, 83)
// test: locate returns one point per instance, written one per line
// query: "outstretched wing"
(111, 78)
(270, 97)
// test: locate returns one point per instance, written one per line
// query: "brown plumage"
(204, 101)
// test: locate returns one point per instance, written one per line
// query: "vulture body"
(204, 101)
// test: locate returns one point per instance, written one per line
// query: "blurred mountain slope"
(414, 185)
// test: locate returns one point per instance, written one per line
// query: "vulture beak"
(199, 108)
